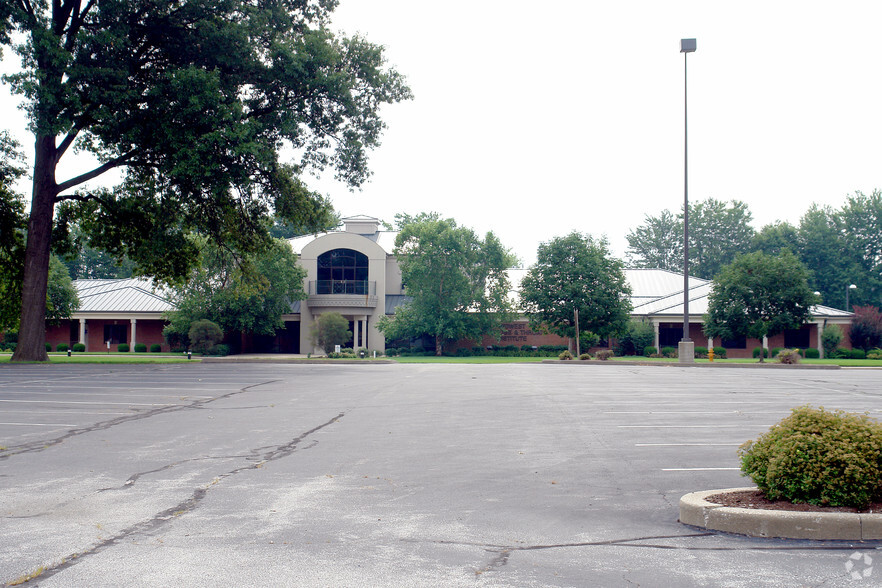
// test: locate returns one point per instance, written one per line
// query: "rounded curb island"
(755, 522)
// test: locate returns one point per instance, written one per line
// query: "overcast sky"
(534, 119)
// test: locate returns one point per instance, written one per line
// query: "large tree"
(193, 100)
(822, 247)
(457, 281)
(718, 231)
(576, 272)
(860, 224)
(12, 229)
(759, 295)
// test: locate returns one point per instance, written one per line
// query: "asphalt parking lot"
(397, 475)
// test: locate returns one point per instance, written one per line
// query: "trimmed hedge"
(155, 348)
(62, 347)
(140, 348)
(720, 352)
(79, 347)
(123, 348)
(756, 352)
(812, 353)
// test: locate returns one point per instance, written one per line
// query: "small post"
(188, 354)
(68, 352)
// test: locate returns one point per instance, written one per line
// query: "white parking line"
(684, 412)
(82, 402)
(687, 444)
(700, 469)
(742, 426)
(39, 424)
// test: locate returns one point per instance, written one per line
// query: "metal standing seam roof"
(121, 295)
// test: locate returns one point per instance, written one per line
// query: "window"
(736, 343)
(342, 271)
(796, 338)
(115, 334)
(669, 336)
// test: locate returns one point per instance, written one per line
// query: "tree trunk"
(438, 345)
(31, 344)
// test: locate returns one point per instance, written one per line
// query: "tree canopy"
(193, 101)
(576, 272)
(759, 295)
(457, 281)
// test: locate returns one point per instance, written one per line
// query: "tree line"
(840, 246)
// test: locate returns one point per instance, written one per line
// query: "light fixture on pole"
(847, 292)
(686, 352)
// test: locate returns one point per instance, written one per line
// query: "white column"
(655, 327)
(355, 325)
(83, 333)
(134, 339)
(710, 343)
(364, 332)
(766, 346)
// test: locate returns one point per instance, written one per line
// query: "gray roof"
(123, 295)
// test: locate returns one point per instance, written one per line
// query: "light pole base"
(686, 351)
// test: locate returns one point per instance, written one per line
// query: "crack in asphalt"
(40, 445)
(187, 505)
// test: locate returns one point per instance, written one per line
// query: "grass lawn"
(115, 358)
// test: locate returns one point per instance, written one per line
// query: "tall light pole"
(686, 351)
(847, 292)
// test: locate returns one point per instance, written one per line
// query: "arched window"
(342, 271)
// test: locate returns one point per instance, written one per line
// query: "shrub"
(48, 347)
(700, 352)
(831, 337)
(840, 353)
(756, 351)
(79, 347)
(819, 457)
(220, 350)
(565, 355)
(140, 348)
(720, 352)
(62, 347)
(775, 351)
(526, 348)
(812, 353)
(874, 354)
(329, 330)
(866, 328)
(464, 352)
(649, 351)
(123, 347)
(790, 356)
(638, 335)
(604, 354)
(392, 351)
(669, 351)
(585, 356)
(204, 335)
(155, 348)
(857, 354)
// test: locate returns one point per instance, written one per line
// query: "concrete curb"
(698, 512)
(235, 359)
(767, 365)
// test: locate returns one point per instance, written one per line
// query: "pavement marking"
(83, 402)
(40, 424)
(683, 412)
(687, 444)
(62, 411)
(690, 426)
(700, 469)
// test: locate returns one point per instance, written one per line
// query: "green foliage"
(140, 348)
(565, 355)
(393, 351)
(831, 337)
(244, 293)
(788, 356)
(759, 295)
(204, 334)
(155, 348)
(857, 354)
(669, 352)
(48, 347)
(639, 335)
(193, 102)
(604, 354)
(61, 297)
(758, 350)
(649, 350)
(700, 352)
(79, 347)
(62, 347)
(812, 353)
(576, 272)
(330, 329)
(219, 350)
(585, 356)
(720, 352)
(457, 282)
(13, 222)
(123, 347)
(874, 354)
(774, 351)
(866, 328)
(773, 239)
(818, 457)
(718, 231)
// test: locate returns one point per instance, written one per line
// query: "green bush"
(220, 350)
(756, 351)
(140, 348)
(720, 352)
(775, 351)
(811, 353)
(48, 347)
(789, 356)
(585, 356)
(857, 354)
(565, 355)
(123, 347)
(155, 348)
(604, 354)
(831, 337)
(62, 347)
(392, 351)
(840, 353)
(669, 351)
(649, 350)
(874, 354)
(204, 334)
(819, 457)
(700, 352)
(79, 347)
